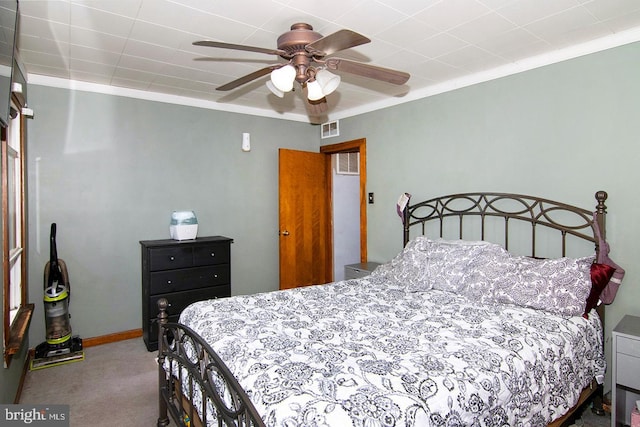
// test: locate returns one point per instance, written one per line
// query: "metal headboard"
(510, 207)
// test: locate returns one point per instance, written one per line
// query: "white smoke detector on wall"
(246, 141)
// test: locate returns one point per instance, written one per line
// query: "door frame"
(353, 146)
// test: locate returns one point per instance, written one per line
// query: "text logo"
(34, 415)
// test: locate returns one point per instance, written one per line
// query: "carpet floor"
(116, 385)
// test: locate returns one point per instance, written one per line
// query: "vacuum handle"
(54, 276)
(53, 251)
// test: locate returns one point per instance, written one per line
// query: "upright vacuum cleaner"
(60, 346)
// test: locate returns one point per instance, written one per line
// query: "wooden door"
(305, 218)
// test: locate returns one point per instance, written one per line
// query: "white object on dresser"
(355, 271)
(625, 373)
(183, 225)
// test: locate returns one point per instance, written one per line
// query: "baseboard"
(106, 339)
(25, 369)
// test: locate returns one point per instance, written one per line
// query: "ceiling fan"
(308, 63)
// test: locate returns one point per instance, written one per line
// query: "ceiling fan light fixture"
(328, 81)
(308, 60)
(283, 78)
(314, 91)
(274, 90)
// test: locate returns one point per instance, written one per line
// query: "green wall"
(109, 171)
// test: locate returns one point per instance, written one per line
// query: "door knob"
(285, 233)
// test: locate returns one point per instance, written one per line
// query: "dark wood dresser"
(183, 272)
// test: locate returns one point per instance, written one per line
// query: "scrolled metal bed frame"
(185, 358)
(189, 367)
(533, 210)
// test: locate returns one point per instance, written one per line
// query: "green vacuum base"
(61, 359)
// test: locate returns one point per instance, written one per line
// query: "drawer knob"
(213, 254)
(172, 258)
(168, 282)
(215, 276)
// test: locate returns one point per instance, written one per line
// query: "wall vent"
(329, 129)
(348, 163)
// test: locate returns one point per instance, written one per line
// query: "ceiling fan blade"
(221, 45)
(249, 77)
(371, 71)
(317, 108)
(340, 40)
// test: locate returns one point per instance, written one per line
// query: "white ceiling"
(144, 47)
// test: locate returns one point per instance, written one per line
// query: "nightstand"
(625, 373)
(354, 271)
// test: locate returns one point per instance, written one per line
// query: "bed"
(446, 333)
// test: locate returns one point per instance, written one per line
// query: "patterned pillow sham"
(560, 285)
(408, 270)
(426, 264)
(449, 262)
(485, 272)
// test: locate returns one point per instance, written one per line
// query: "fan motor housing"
(298, 38)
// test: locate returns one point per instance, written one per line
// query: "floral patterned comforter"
(368, 353)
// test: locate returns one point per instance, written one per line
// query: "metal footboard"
(196, 388)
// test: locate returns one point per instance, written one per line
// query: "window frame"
(14, 327)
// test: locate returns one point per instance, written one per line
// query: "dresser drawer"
(189, 278)
(211, 254)
(628, 346)
(628, 362)
(179, 300)
(193, 256)
(628, 370)
(169, 258)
